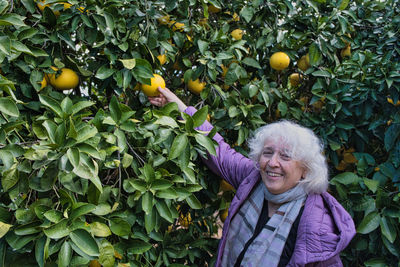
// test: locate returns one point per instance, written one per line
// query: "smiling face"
(278, 171)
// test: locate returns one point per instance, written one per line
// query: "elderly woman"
(281, 214)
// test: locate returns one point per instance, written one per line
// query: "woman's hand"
(166, 96)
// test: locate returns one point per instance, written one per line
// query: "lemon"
(176, 26)
(67, 79)
(162, 58)
(304, 62)
(155, 82)
(196, 86)
(279, 61)
(164, 20)
(346, 52)
(43, 83)
(237, 34)
(295, 79)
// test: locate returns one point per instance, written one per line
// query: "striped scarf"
(267, 247)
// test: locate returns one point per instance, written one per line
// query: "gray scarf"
(267, 247)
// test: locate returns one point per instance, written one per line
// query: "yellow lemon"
(162, 58)
(43, 83)
(295, 79)
(176, 26)
(196, 86)
(67, 79)
(224, 70)
(279, 61)
(237, 34)
(155, 82)
(164, 20)
(392, 102)
(304, 62)
(346, 52)
(235, 17)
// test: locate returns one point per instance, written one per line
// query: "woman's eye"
(267, 152)
(285, 156)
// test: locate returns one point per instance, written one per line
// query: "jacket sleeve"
(229, 164)
(332, 262)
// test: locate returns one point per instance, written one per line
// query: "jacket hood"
(325, 229)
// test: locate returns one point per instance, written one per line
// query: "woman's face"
(278, 171)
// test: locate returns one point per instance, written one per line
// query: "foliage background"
(96, 175)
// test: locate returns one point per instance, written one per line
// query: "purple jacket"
(325, 227)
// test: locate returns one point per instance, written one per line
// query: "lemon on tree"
(346, 52)
(237, 34)
(155, 82)
(279, 61)
(64, 79)
(295, 79)
(304, 62)
(162, 58)
(41, 5)
(196, 86)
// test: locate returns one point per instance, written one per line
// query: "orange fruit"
(304, 62)
(67, 79)
(162, 58)
(196, 86)
(279, 61)
(155, 82)
(237, 34)
(295, 79)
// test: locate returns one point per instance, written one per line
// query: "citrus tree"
(92, 174)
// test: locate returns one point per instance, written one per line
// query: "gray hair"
(303, 145)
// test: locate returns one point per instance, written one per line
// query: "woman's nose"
(274, 161)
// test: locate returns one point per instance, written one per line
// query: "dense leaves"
(95, 174)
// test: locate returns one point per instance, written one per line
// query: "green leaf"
(167, 194)
(178, 146)
(52, 104)
(147, 202)
(81, 105)
(203, 45)
(120, 227)
(7, 159)
(40, 250)
(53, 216)
(388, 229)
(164, 211)
(161, 184)
(343, 4)
(369, 223)
(391, 136)
(9, 179)
(104, 72)
(200, 116)
(7, 106)
(251, 62)
(166, 121)
(346, 178)
(138, 247)
(84, 241)
(115, 110)
(81, 210)
(5, 45)
(100, 229)
(4, 228)
(65, 255)
(128, 63)
(58, 230)
(193, 202)
(150, 220)
(12, 19)
(206, 142)
(314, 54)
(247, 13)
(26, 34)
(106, 258)
(371, 184)
(73, 156)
